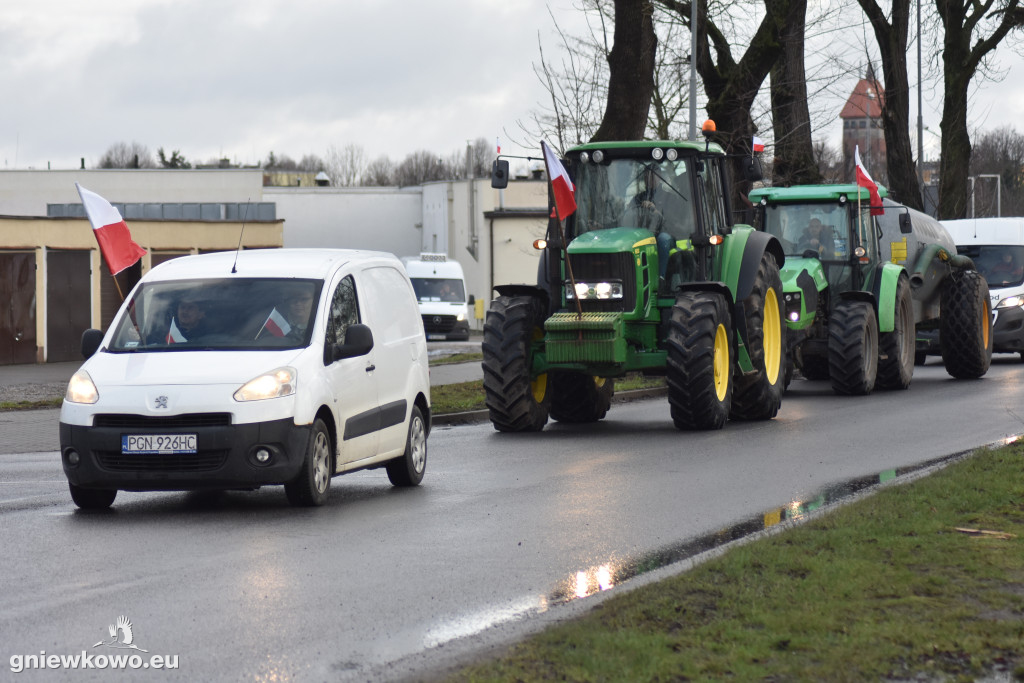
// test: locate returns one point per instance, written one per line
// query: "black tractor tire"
(700, 361)
(311, 486)
(408, 469)
(757, 396)
(515, 401)
(897, 349)
(579, 398)
(920, 358)
(965, 333)
(92, 499)
(814, 367)
(853, 348)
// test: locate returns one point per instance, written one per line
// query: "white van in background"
(441, 292)
(996, 245)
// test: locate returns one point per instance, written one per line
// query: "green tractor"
(648, 275)
(857, 287)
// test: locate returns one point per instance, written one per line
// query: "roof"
(283, 263)
(811, 193)
(865, 101)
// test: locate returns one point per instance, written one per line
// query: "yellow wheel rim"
(599, 382)
(721, 362)
(539, 387)
(985, 324)
(772, 328)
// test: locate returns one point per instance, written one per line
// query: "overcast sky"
(226, 78)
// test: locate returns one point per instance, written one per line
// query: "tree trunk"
(794, 162)
(631, 73)
(899, 151)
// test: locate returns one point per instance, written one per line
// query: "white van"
(996, 245)
(235, 371)
(441, 292)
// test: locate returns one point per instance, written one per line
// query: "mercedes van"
(441, 293)
(236, 371)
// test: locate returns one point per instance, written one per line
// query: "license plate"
(144, 444)
(433, 337)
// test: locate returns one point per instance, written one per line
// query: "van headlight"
(274, 384)
(596, 290)
(1011, 301)
(81, 389)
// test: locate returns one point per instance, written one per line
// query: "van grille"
(127, 421)
(438, 324)
(181, 462)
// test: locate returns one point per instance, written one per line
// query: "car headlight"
(1011, 301)
(81, 389)
(273, 384)
(460, 317)
(597, 290)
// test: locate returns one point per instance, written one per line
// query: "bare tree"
(311, 163)
(127, 155)
(419, 167)
(630, 72)
(379, 173)
(972, 31)
(345, 166)
(998, 153)
(281, 162)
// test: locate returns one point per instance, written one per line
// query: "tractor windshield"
(635, 193)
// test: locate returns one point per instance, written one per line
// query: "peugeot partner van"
(996, 245)
(236, 371)
(441, 293)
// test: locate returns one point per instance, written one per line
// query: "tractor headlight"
(596, 290)
(793, 301)
(1011, 301)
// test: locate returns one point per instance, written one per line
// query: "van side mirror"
(752, 169)
(91, 340)
(905, 227)
(499, 174)
(358, 342)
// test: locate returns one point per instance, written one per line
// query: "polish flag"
(498, 141)
(758, 144)
(276, 324)
(116, 245)
(864, 180)
(565, 202)
(174, 335)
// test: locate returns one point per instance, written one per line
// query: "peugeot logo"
(437, 320)
(161, 402)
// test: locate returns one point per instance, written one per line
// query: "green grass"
(466, 396)
(458, 358)
(31, 405)
(882, 588)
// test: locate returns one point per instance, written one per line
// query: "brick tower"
(862, 126)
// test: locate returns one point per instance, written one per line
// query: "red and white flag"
(864, 180)
(561, 185)
(276, 324)
(758, 144)
(498, 141)
(116, 245)
(174, 335)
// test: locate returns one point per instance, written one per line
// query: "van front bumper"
(225, 456)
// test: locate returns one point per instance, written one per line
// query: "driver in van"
(1007, 270)
(188, 322)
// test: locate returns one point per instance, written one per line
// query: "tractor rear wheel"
(897, 349)
(965, 333)
(853, 348)
(758, 396)
(576, 397)
(700, 361)
(516, 401)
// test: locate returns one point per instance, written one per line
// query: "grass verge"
(31, 405)
(887, 588)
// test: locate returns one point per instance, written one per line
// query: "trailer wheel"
(853, 348)
(576, 397)
(965, 333)
(897, 349)
(758, 396)
(516, 401)
(700, 361)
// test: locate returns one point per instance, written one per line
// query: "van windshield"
(439, 289)
(1002, 265)
(218, 314)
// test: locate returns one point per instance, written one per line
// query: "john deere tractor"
(857, 286)
(648, 275)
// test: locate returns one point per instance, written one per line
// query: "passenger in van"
(188, 322)
(290, 316)
(1007, 271)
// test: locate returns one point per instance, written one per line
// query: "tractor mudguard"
(755, 245)
(708, 286)
(857, 295)
(884, 291)
(524, 290)
(741, 260)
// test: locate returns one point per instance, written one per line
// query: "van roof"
(1007, 230)
(286, 263)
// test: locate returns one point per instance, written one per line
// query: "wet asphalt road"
(242, 587)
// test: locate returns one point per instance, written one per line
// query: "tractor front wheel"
(853, 348)
(700, 361)
(897, 349)
(576, 397)
(965, 333)
(757, 396)
(516, 400)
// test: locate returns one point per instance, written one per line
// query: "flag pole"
(565, 249)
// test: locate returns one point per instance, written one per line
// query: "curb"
(478, 416)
